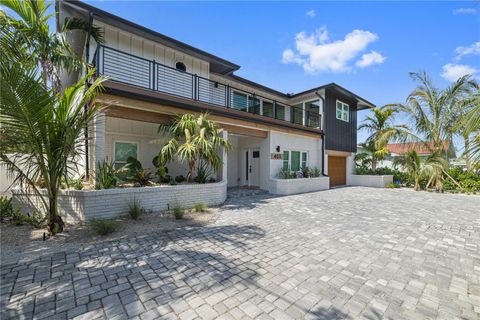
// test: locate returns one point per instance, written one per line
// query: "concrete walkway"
(350, 253)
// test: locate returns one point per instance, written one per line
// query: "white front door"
(252, 167)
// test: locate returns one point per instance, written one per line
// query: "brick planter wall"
(301, 185)
(82, 205)
(369, 180)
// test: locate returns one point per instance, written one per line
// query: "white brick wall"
(80, 205)
(293, 186)
(369, 180)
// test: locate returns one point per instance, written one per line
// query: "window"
(253, 105)
(297, 113)
(279, 111)
(267, 109)
(240, 101)
(312, 113)
(295, 160)
(123, 150)
(342, 111)
(181, 66)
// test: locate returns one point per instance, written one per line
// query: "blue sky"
(367, 47)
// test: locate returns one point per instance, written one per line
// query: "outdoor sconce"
(216, 84)
(278, 148)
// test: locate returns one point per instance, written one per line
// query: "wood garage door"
(337, 170)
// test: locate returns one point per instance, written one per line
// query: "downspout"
(323, 137)
(85, 108)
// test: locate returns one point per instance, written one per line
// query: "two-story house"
(153, 77)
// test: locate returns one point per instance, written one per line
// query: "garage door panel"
(337, 170)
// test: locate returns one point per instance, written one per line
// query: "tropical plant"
(469, 126)
(286, 173)
(433, 114)
(178, 212)
(316, 172)
(160, 170)
(203, 172)
(192, 139)
(26, 37)
(104, 226)
(135, 210)
(382, 129)
(6, 208)
(43, 131)
(412, 164)
(107, 175)
(201, 207)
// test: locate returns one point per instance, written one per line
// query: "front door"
(252, 167)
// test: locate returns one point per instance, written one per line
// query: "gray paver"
(350, 253)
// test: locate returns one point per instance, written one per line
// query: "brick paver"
(351, 253)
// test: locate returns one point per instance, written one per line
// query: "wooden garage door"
(337, 170)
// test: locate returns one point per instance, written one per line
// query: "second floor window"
(181, 66)
(342, 112)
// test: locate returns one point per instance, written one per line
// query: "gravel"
(24, 243)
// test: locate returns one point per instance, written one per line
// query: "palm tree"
(432, 111)
(469, 126)
(43, 131)
(382, 129)
(27, 36)
(192, 139)
(411, 163)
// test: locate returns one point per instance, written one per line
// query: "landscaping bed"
(26, 243)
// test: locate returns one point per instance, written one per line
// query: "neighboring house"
(423, 150)
(153, 77)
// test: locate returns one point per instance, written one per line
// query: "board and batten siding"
(340, 135)
(133, 44)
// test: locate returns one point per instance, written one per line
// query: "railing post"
(194, 87)
(229, 92)
(154, 71)
(274, 111)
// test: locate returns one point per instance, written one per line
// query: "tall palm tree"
(35, 43)
(432, 112)
(192, 139)
(382, 129)
(469, 126)
(41, 131)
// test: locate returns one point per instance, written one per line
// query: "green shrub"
(19, 218)
(135, 210)
(306, 172)
(393, 186)
(203, 172)
(178, 212)
(316, 172)
(287, 174)
(201, 207)
(37, 220)
(104, 226)
(141, 177)
(107, 176)
(6, 209)
(76, 184)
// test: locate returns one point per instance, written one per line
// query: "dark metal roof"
(217, 64)
(363, 103)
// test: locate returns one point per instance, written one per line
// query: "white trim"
(290, 158)
(343, 110)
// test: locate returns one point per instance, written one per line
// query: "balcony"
(136, 71)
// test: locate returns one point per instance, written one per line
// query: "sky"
(367, 47)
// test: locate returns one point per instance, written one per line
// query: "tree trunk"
(191, 170)
(374, 164)
(55, 222)
(467, 153)
(416, 187)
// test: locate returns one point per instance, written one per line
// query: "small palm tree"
(43, 131)
(382, 129)
(193, 139)
(411, 163)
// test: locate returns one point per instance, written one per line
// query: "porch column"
(223, 173)
(98, 139)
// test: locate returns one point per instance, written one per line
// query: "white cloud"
(317, 53)
(474, 49)
(464, 11)
(452, 71)
(369, 59)
(311, 13)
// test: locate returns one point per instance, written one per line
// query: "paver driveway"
(345, 253)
